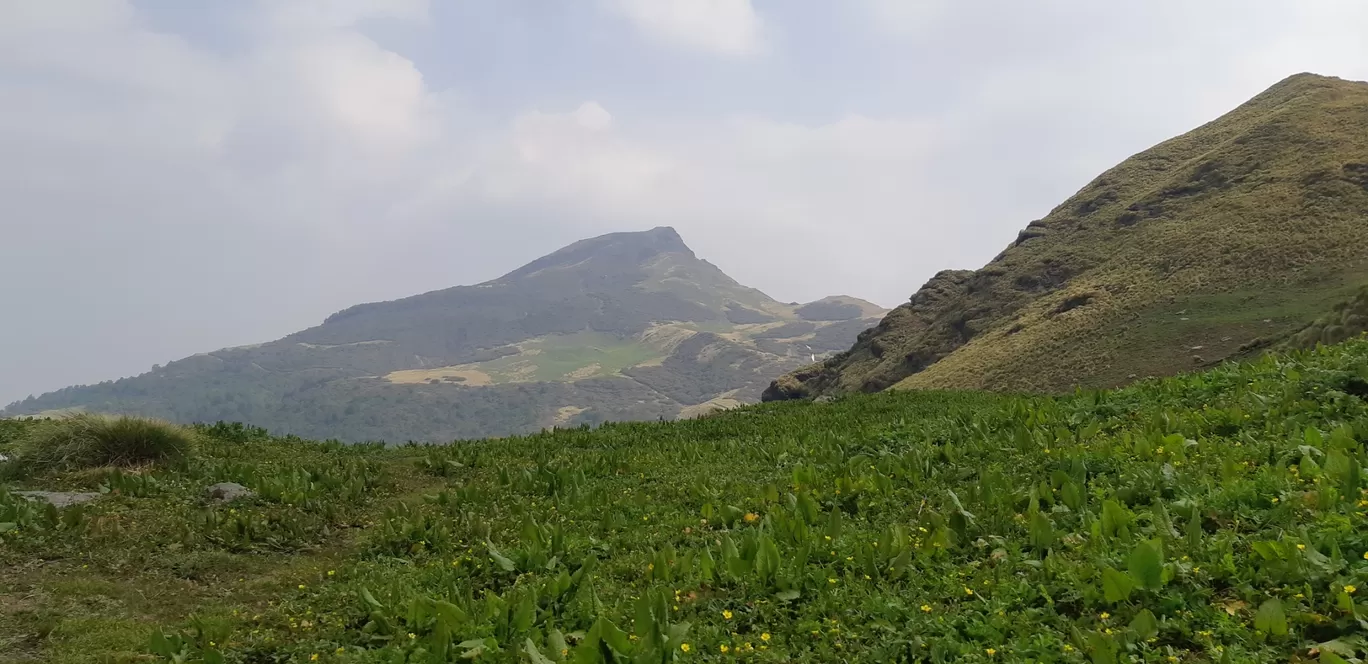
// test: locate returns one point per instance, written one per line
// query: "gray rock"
(228, 491)
(59, 498)
(825, 398)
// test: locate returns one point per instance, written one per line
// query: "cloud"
(333, 14)
(906, 18)
(573, 157)
(722, 27)
(166, 194)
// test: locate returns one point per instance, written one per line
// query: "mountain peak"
(623, 249)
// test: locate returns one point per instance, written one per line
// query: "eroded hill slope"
(1241, 231)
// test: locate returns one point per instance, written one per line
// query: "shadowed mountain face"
(622, 326)
(1207, 246)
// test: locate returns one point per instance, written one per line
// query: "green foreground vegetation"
(1211, 517)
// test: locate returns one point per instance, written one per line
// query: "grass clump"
(91, 441)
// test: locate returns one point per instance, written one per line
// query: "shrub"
(91, 441)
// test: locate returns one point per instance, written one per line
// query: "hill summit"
(622, 326)
(1208, 246)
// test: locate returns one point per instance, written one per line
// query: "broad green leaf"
(614, 637)
(833, 528)
(676, 635)
(556, 642)
(645, 623)
(1313, 437)
(1101, 648)
(370, 600)
(1270, 618)
(900, 564)
(1116, 587)
(1071, 495)
(767, 559)
(533, 655)
(1145, 625)
(525, 615)
(1146, 565)
(1194, 529)
(1338, 647)
(1327, 657)
(1353, 479)
(1058, 479)
(1042, 531)
(589, 651)
(736, 565)
(159, 645)
(1115, 520)
(499, 559)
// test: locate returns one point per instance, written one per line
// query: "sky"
(178, 177)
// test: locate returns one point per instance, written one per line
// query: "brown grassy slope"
(1242, 230)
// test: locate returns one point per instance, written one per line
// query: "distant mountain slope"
(622, 326)
(1242, 231)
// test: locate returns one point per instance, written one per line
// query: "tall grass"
(90, 441)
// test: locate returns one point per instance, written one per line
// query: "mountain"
(1211, 245)
(626, 326)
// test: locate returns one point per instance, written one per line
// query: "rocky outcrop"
(226, 492)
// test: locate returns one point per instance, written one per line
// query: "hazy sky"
(179, 176)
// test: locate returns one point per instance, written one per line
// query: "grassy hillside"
(1212, 517)
(1242, 231)
(625, 326)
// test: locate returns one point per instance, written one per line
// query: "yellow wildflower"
(724, 648)
(766, 635)
(926, 608)
(727, 614)
(752, 517)
(991, 651)
(1350, 589)
(684, 647)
